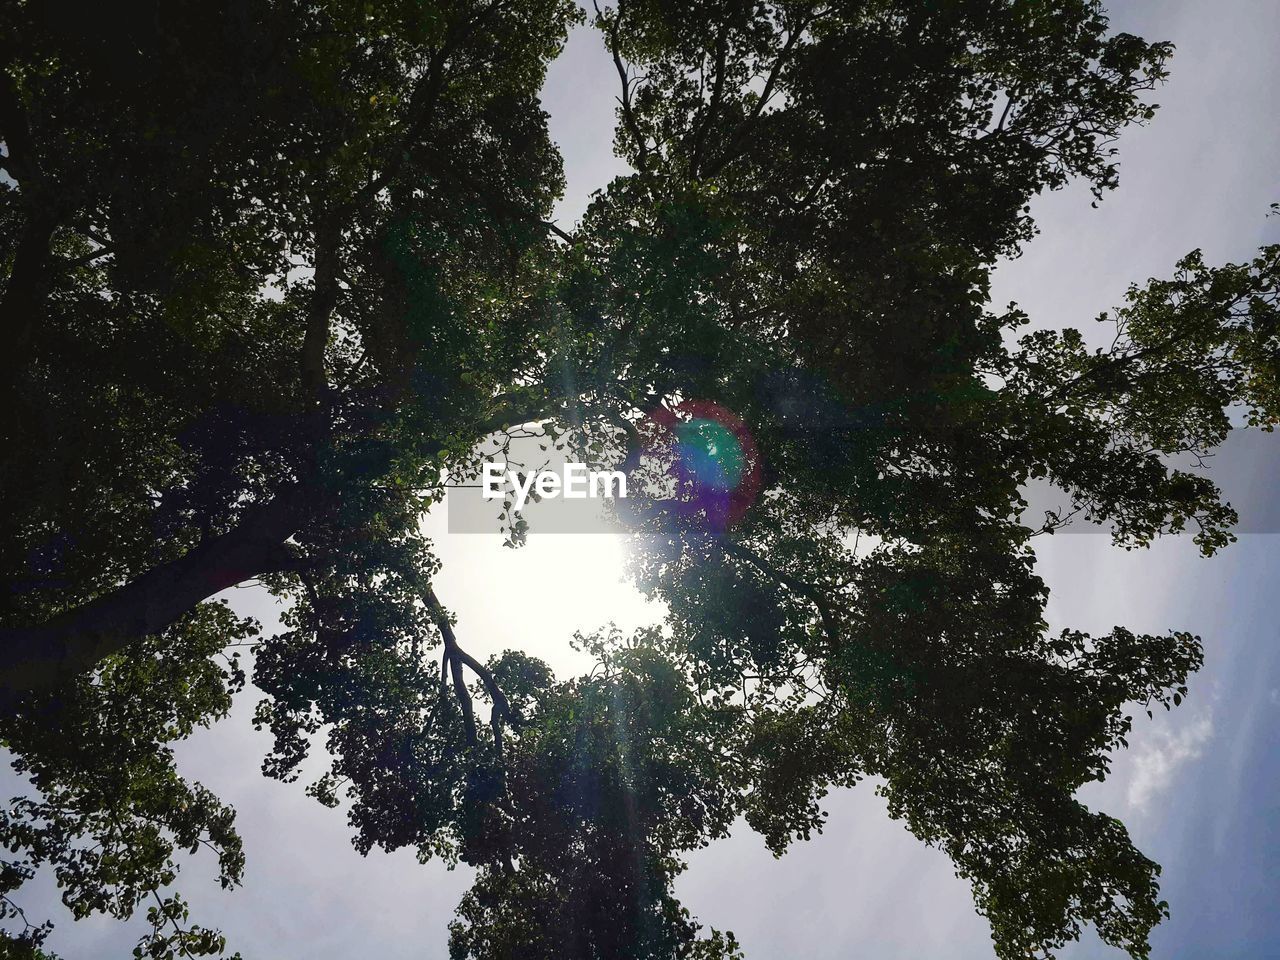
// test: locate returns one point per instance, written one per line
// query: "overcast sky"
(1198, 788)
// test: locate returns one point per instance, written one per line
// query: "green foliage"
(614, 774)
(271, 268)
(22, 947)
(110, 811)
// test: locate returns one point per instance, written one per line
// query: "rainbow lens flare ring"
(709, 453)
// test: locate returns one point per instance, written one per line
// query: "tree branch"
(766, 94)
(30, 275)
(552, 228)
(423, 102)
(441, 620)
(717, 95)
(456, 658)
(34, 658)
(324, 298)
(41, 657)
(628, 112)
(827, 612)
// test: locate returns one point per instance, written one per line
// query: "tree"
(270, 268)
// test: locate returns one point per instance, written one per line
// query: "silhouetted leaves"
(271, 269)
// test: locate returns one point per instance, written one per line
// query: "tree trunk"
(29, 275)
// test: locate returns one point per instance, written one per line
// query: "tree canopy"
(273, 269)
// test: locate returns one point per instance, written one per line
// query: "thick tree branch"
(453, 662)
(552, 228)
(41, 657)
(826, 610)
(31, 273)
(628, 110)
(324, 298)
(736, 138)
(717, 97)
(455, 658)
(71, 263)
(29, 281)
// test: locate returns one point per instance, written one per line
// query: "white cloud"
(1154, 765)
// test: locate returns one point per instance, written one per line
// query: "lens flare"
(712, 458)
(710, 454)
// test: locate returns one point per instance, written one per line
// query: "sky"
(1198, 787)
